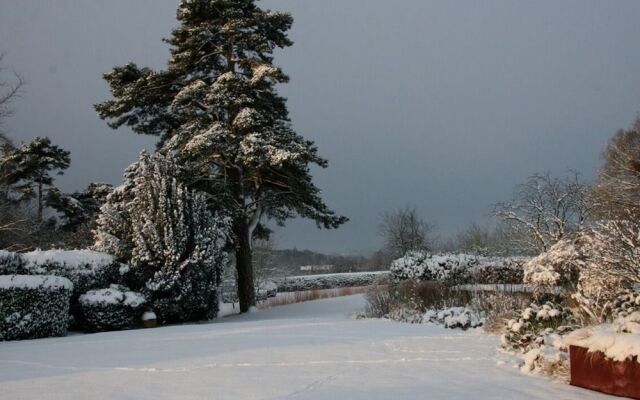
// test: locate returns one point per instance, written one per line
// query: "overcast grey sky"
(441, 104)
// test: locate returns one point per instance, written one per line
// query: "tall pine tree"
(216, 108)
(27, 170)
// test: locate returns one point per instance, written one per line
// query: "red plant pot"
(593, 370)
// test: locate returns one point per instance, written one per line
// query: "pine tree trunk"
(246, 290)
(40, 200)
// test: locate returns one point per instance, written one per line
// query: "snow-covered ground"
(312, 350)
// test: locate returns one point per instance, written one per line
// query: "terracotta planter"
(596, 372)
(150, 323)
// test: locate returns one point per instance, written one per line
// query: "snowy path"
(311, 350)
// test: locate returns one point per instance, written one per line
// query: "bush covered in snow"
(559, 266)
(86, 269)
(109, 309)
(626, 304)
(33, 306)
(168, 236)
(457, 269)
(266, 289)
(536, 325)
(577, 267)
(327, 281)
(455, 317)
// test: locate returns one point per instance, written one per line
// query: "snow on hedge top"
(115, 294)
(45, 282)
(457, 268)
(418, 265)
(618, 341)
(71, 258)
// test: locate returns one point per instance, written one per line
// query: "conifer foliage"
(167, 234)
(27, 169)
(216, 107)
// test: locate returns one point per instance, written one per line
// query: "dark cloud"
(442, 104)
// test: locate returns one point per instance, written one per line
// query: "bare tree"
(475, 239)
(617, 193)
(9, 90)
(617, 245)
(404, 230)
(544, 210)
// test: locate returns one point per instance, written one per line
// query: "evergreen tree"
(216, 107)
(167, 234)
(28, 168)
(79, 208)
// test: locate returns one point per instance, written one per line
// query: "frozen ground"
(312, 350)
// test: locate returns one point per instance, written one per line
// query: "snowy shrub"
(110, 309)
(559, 266)
(327, 281)
(455, 317)
(536, 325)
(626, 304)
(548, 359)
(33, 306)
(458, 269)
(168, 236)
(266, 289)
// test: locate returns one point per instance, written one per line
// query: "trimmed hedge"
(328, 281)
(458, 269)
(86, 269)
(114, 308)
(33, 306)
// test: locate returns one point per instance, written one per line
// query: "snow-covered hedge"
(33, 306)
(328, 281)
(86, 269)
(109, 309)
(457, 269)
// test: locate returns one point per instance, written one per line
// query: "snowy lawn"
(312, 350)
